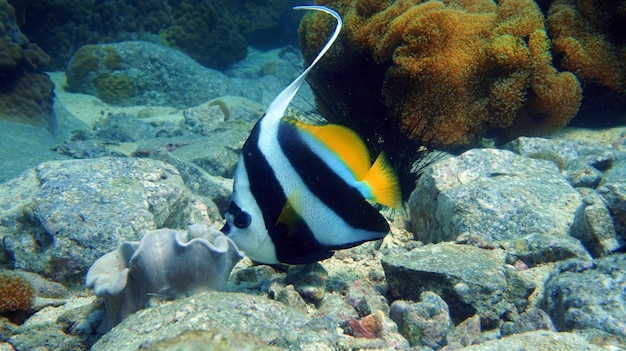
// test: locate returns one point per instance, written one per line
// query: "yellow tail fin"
(383, 181)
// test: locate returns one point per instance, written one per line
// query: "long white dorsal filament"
(277, 108)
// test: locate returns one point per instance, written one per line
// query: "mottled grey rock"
(225, 112)
(582, 296)
(559, 151)
(537, 341)
(217, 154)
(615, 174)
(580, 174)
(334, 307)
(615, 196)
(569, 155)
(58, 218)
(166, 262)
(493, 195)
(531, 319)
(62, 328)
(224, 124)
(594, 226)
(267, 319)
(465, 333)
(214, 190)
(255, 278)
(365, 299)
(290, 297)
(535, 249)
(125, 127)
(423, 323)
(143, 73)
(309, 280)
(219, 338)
(44, 288)
(470, 280)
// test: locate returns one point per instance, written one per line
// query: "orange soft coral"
(450, 71)
(584, 38)
(16, 293)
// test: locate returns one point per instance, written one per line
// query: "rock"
(266, 319)
(537, 341)
(470, 280)
(594, 226)
(531, 319)
(213, 153)
(309, 280)
(62, 328)
(290, 297)
(219, 338)
(612, 187)
(374, 331)
(492, 195)
(364, 298)
(124, 127)
(215, 191)
(536, 249)
(43, 287)
(334, 307)
(580, 295)
(254, 278)
(423, 323)
(142, 73)
(465, 333)
(369, 327)
(568, 155)
(616, 173)
(580, 174)
(61, 216)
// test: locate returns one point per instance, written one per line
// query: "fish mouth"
(225, 229)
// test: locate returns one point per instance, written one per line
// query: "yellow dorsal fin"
(344, 143)
(383, 181)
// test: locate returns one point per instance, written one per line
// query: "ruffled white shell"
(168, 262)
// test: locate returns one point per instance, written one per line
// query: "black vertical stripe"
(345, 200)
(270, 197)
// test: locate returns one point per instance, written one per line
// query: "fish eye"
(242, 220)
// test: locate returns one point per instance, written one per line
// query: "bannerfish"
(300, 191)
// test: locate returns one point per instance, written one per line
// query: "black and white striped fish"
(300, 190)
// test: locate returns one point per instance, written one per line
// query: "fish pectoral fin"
(289, 216)
(383, 182)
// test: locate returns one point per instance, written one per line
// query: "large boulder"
(59, 217)
(469, 279)
(491, 196)
(143, 73)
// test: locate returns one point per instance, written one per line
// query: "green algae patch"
(114, 88)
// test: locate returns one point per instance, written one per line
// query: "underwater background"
(121, 123)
